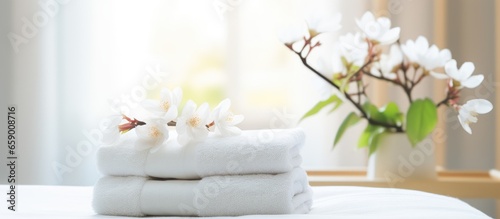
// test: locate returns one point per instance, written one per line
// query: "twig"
(358, 106)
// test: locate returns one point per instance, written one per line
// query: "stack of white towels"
(257, 172)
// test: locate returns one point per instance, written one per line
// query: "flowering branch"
(358, 106)
(405, 65)
(132, 123)
(193, 124)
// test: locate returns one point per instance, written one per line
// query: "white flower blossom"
(191, 125)
(429, 58)
(111, 132)
(317, 23)
(166, 107)
(464, 74)
(385, 66)
(152, 135)
(468, 112)
(293, 34)
(353, 48)
(226, 121)
(378, 30)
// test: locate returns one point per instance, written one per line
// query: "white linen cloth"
(252, 152)
(232, 195)
(49, 202)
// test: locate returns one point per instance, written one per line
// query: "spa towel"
(286, 193)
(252, 152)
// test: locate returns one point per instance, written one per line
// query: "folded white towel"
(252, 152)
(286, 193)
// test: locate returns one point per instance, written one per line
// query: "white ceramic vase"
(395, 160)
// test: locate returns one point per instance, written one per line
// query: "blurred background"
(68, 64)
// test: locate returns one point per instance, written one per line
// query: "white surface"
(252, 152)
(284, 193)
(339, 202)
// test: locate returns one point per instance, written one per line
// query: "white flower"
(293, 34)
(353, 48)
(379, 30)
(427, 57)
(151, 135)
(191, 125)
(111, 132)
(463, 75)
(385, 67)
(225, 121)
(166, 107)
(468, 112)
(322, 24)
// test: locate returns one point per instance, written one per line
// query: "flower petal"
(176, 96)
(465, 125)
(171, 114)
(237, 119)
(189, 109)
(390, 36)
(421, 44)
(204, 113)
(152, 106)
(473, 81)
(438, 75)
(409, 50)
(384, 22)
(445, 56)
(181, 126)
(374, 71)
(293, 34)
(200, 133)
(480, 106)
(329, 24)
(390, 76)
(395, 56)
(451, 69)
(466, 70)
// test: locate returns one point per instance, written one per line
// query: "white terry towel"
(252, 152)
(285, 193)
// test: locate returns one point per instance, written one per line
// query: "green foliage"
(351, 72)
(392, 114)
(372, 112)
(421, 119)
(370, 137)
(374, 141)
(334, 99)
(389, 114)
(349, 121)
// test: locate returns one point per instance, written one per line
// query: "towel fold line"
(249, 153)
(284, 193)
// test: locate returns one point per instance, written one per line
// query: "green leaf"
(364, 139)
(334, 99)
(392, 114)
(353, 68)
(345, 82)
(372, 112)
(421, 119)
(374, 140)
(349, 121)
(337, 105)
(344, 61)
